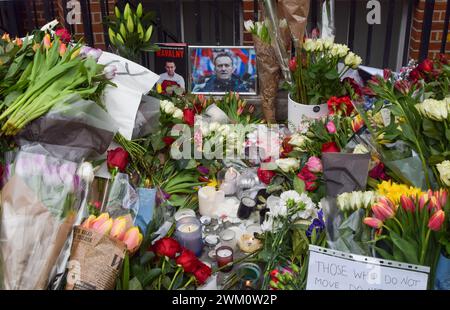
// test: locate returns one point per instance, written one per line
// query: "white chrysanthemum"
(309, 210)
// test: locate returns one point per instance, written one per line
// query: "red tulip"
(387, 74)
(407, 203)
(63, 34)
(382, 212)
(436, 220)
(168, 140)
(330, 147)
(189, 117)
(373, 222)
(118, 158)
(426, 66)
(441, 196)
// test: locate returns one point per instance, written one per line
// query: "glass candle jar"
(246, 207)
(228, 238)
(189, 234)
(224, 257)
(249, 276)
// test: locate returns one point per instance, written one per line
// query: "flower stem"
(174, 277)
(424, 247)
(189, 282)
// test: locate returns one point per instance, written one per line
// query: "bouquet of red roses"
(168, 265)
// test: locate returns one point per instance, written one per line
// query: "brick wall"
(248, 13)
(437, 29)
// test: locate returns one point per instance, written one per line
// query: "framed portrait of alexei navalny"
(222, 69)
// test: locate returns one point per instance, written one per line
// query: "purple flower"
(110, 71)
(203, 170)
(318, 224)
(87, 51)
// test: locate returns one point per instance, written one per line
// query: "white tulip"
(435, 109)
(249, 25)
(444, 172)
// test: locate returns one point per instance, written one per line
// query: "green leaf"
(135, 285)
(384, 253)
(166, 282)
(126, 273)
(299, 185)
(148, 277)
(147, 257)
(409, 251)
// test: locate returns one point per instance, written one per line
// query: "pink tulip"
(331, 128)
(373, 222)
(382, 212)
(47, 41)
(62, 49)
(104, 228)
(88, 222)
(436, 220)
(434, 204)
(119, 228)
(441, 196)
(314, 164)
(386, 202)
(407, 203)
(133, 239)
(100, 220)
(423, 199)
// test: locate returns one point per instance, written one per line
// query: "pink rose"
(331, 127)
(314, 164)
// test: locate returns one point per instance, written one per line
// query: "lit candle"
(224, 256)
(249, 276)
(189, 234)
(248, 243)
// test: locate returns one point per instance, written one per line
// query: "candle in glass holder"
(224, 256)
(248, 243)
(189, 234)
(228, 238)
(246, 208)
(249, 275)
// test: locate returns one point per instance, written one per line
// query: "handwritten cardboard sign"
(335, 270)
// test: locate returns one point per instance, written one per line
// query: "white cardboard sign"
(335, 270)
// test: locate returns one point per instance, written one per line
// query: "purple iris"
(318, 224)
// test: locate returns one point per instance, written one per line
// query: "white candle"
(184, 213)
(224, 253)
(187, 228)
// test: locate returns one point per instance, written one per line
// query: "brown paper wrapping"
(95, 261)
(269, 76)
(31, 238)
(296, 13)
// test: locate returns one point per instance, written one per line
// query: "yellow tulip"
(47, 41)
(88, 222)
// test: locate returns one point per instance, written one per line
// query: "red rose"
(310, 186)
(265, 176)
(167, 247)
(188, 261)
(306, 175)
(167, 83)
(426, 66)
(189, 117)
(293, 64)
(330, 147)
(168, 140)
(118, 158)
(63, 34)
(287, 148)
(202, 273)
(415, 75)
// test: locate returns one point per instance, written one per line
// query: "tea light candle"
(249, 275)
(246, 208)
(189, 234)
(248, 243)
(224, 256)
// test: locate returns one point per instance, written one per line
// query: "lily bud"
(373, 222)
(140, 30)
(139, 10)
(436, 220)
(123, 31)
(130, 24)
(117, 11)
(133, 239)
(148, 33)
(126, 11)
